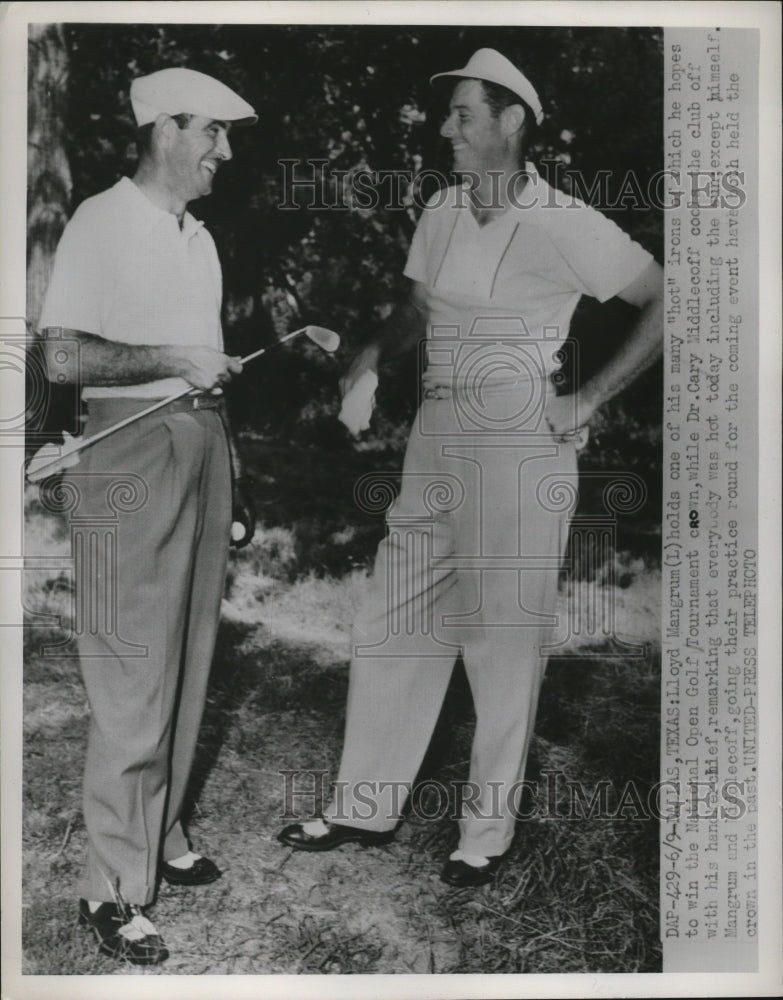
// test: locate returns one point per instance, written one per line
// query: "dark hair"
(144, 133)
(499, 98)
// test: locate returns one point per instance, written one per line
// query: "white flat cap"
(179, 91)
(490, 65)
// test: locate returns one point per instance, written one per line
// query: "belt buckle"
(206, 401)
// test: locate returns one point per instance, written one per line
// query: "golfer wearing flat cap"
(476, 536)
(132, 313)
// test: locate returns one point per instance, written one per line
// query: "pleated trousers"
(152, 523)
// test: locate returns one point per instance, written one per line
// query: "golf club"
(52, 458)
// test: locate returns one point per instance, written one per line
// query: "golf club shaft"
(263, 350)
(160, 403)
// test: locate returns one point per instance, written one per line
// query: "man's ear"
(165, 129)
(512, 119)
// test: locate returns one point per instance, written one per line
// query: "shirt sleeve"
(430, 240)
(72, 299)
(602, 257)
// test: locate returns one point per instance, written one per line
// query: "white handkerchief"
(358, 403)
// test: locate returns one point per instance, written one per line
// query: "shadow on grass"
(254, 676)
(577, 893)
(578, 889)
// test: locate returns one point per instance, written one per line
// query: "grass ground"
(575, 895)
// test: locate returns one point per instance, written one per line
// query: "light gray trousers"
(470, 565)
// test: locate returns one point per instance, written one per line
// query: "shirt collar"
(530, 196)
(148, 215)
(535, 195)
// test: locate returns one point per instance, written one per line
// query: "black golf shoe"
(124, 933)
(201, 872)
(337, 834)
(464, 876)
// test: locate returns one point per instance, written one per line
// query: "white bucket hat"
(179, 91)
(490, 65)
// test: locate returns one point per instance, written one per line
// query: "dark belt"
(119, 407)
(206, 402)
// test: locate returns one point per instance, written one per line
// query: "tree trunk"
(48, 173)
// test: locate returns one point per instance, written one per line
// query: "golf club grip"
(94, 438)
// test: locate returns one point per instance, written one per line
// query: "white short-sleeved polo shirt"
(532, 262)
(124, 270)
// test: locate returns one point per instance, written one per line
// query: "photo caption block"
(709, 827)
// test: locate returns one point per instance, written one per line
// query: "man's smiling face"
(475, 134)
(196, 153)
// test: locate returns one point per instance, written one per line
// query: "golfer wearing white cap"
(497, 267)
(132, 312)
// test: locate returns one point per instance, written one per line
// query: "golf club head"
(328, 340)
